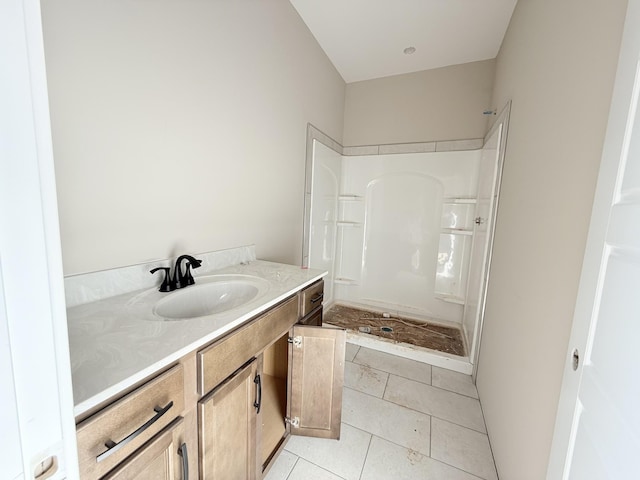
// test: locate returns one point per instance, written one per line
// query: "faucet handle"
(166, 283)
(188, 278)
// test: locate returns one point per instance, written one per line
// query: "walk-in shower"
(405, 237)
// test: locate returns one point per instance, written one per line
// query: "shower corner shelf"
(345, 281)
(350, 198)
(348, 224)
(449, 298)
(456, 231)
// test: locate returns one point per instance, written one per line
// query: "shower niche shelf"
(350, 198)
(341, 223)
(454, 251)
(449, 298)
(346, 281)
(456, 231)
(460, 200)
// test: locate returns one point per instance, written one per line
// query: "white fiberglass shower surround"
(405, 233)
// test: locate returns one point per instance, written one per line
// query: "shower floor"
(397, 329)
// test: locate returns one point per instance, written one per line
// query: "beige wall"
(439, 104)
(557, 64)
(180, 126)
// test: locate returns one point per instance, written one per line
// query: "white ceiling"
(365, 39)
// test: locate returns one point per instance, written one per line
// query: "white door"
(597, 432)
(37, 431)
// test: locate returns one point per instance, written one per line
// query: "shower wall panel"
(390, 231)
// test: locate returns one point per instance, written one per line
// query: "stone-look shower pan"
(406, 240)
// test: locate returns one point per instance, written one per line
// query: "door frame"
(34, 324)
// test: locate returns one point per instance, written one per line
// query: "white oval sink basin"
(210, 295)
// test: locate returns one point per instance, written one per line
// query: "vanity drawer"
(314, 319)
(225, 356)
(111, 435)
(311, 298)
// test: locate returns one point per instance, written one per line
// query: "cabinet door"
(227, 427)
(316, 377)
(164, 457)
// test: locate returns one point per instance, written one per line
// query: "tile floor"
(402, 420)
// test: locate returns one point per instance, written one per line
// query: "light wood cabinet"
(165, 457)
(227, 427)
(225, 411)
(111, 435)
(311, 298)
(316, 376)
(296, 389)
(219, 360)
(302, 379)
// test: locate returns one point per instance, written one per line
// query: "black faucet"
(166, 282)
(180, 279)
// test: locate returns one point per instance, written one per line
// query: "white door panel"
(597, 432)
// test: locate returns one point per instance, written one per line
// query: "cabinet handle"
(182, 451)
(258, 401)
(113, 447)
(317, 298)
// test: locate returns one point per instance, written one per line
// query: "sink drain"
(386, 329)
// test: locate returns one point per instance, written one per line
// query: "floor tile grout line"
(366, 455)
(433, 386)
(293, 467)
(453, 391)
(369, 367)
(445, 419)
(493, 458)
(488, 441)
(396, 404)
(391, 441)
(431, 417)
(460, 469)
(316, 465)
(419, 411)
(430, 435)
(420, 453)
(431, 366)
(385, 385)
(398, 375)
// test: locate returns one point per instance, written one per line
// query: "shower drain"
(367, 329)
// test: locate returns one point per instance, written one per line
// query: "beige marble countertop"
(118, 341)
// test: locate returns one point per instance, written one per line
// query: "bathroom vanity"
(221, 406)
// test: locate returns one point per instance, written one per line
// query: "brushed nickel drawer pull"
(113, 447)
(317, 298)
